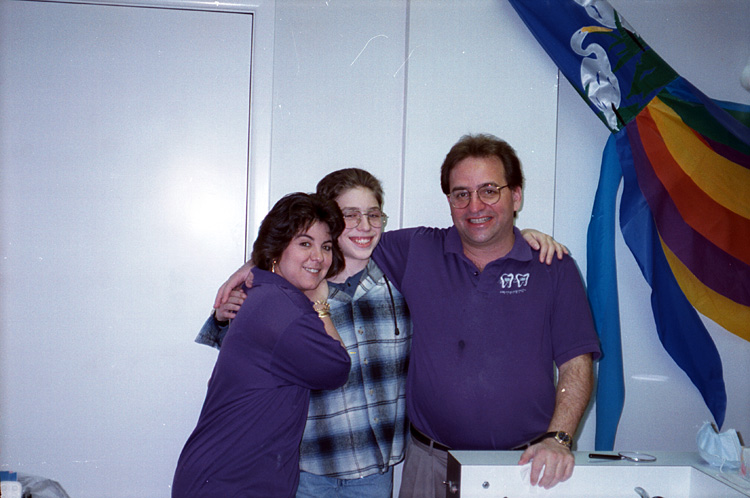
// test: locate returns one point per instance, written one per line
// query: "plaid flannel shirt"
(360, 428)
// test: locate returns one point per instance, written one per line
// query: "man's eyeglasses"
(489, 194)
(376, 219)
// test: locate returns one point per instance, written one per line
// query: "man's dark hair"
(482, 145)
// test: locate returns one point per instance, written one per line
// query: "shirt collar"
(349, 286)
(267, 277)
(521, 250)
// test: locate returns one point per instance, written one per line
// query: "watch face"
(563, 438)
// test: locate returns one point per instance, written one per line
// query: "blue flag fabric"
(602, 291)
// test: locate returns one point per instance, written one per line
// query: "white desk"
(672, 475)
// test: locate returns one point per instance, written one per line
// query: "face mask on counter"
(721, 450)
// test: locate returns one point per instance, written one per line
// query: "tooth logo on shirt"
(514, 280)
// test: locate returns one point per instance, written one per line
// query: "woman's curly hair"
(294, 214)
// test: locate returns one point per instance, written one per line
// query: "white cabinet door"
(123, 191)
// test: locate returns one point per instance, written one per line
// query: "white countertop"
(496, 473)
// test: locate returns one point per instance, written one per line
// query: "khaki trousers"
(425, 471)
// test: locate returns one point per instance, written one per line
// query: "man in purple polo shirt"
(490, 322)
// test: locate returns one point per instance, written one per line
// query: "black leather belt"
(426, 440)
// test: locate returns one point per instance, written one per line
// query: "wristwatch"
(561, 437)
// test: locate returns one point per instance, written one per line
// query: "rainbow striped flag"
(684, 162)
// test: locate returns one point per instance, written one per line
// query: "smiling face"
(482, 226)
(358, 243)
(305, 261)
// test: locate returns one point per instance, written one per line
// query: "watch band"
(561, 437)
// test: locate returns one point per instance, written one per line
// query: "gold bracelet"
(322, 308)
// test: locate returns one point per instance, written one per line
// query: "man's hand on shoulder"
(555, 459)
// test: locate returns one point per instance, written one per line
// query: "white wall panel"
(476, 69)
(338, 93)
(123, 156)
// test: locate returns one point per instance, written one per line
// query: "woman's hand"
(546, 245)
(320, 293)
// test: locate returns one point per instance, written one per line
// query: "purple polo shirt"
(247, 439)
(481, 373)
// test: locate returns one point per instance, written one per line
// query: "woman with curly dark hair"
(281, 345)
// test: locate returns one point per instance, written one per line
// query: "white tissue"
(721, 450)
(524, 472)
